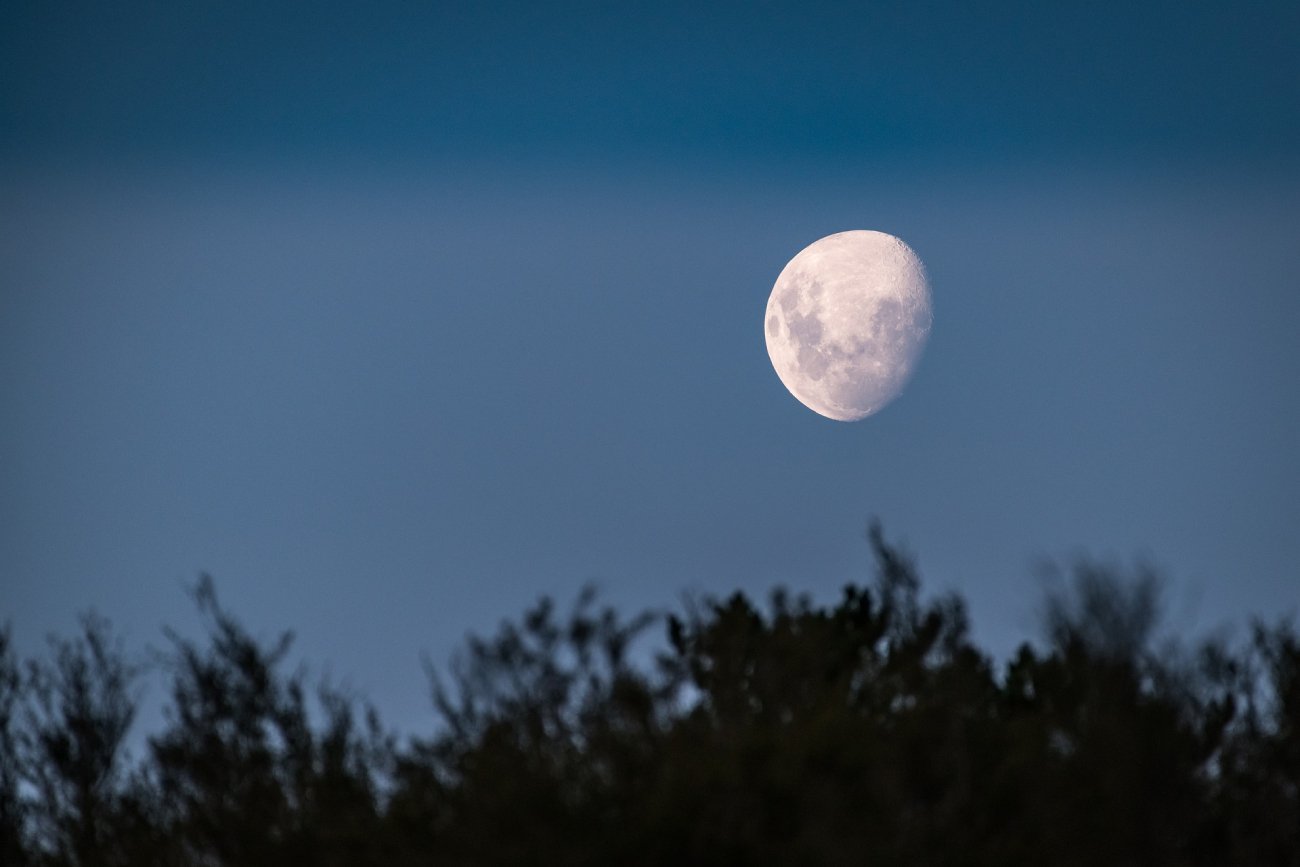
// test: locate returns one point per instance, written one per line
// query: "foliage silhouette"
(78, 713)
(12, 808)
(872, 730)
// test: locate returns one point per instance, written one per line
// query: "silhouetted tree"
(80, 707)
(1121, 754)
(546, 728)
(1256, 805)
(868, 731)
(241, 774)
(13, 847)
(827, 735)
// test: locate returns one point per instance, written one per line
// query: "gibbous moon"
(846, 322)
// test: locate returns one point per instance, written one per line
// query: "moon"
(847, 321)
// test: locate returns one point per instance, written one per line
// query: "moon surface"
(846, 322)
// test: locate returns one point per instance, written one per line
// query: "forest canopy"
(873, 730)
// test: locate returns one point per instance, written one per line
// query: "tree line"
(869, 731)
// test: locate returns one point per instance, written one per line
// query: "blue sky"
(394, 317)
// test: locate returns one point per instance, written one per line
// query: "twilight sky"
(396, 316)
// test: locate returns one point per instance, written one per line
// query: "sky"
(394, 317)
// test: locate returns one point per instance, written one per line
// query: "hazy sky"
(395, 316)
